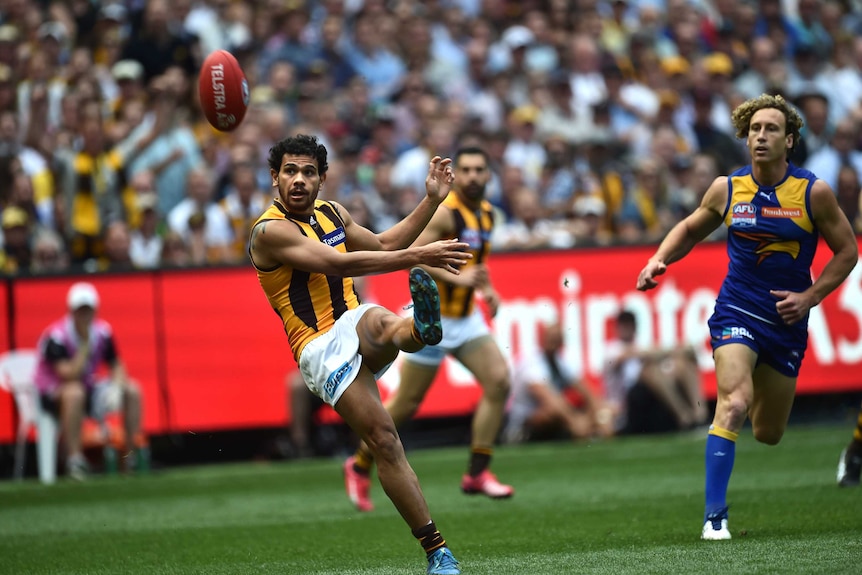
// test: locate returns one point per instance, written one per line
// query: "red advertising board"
(586, 289)
(210, 354)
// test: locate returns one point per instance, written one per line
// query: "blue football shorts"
(780, 346)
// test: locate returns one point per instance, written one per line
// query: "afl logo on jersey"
(744, 214)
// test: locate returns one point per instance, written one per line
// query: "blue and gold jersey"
(474, 228)
(308, 303)
(771, 241)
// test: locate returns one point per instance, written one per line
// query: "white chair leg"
(21, 450)
(46, 448)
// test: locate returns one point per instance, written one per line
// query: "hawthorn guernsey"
(223, 91)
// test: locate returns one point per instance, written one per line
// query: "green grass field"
(631, 505)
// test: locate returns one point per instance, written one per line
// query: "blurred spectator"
(841, 151)
(7, 86)
(850, 197)
(807, 73)
(647, 213)
(600, 171)
(9, 46)
(558, 116)
(616, 28)
(71, 351)
(651, 390)
(42, 88)
(289, 42)
(175, 251)
(759, 78)
(524, 148)
(117, 256)
(216, 25)
(550, 399)
(158, 43)
(588, 85)
(557, 186)
(845, 78)
(381, 68)
(242, 206)
(526, 229)
(173, 149)
(710, 140)
(588, 222)
(49, 253)
(17, 228)
(816, 133)
(203, 225)
(810, 28)
(631, 106)
(773, 22)
(438, 66)
(129, 78)
(331, 54)
(145, 243)
(411, 166)
(89, 188)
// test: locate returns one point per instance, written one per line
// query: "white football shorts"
(330, 362)
(457, 331)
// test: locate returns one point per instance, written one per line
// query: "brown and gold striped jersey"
(473, 227)
(308, 303)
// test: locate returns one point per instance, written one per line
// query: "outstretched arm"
(686, 234)
(278, 241)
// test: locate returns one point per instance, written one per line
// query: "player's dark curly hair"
(471, 151)
(741, 116)
(298, 145)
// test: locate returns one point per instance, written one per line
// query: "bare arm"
(72, 369)
(438, 182)
(281, 241)
(686, 234)
(833, 225)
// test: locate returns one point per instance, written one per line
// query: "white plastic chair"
(17, 376)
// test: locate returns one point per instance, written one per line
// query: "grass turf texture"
(631, 505)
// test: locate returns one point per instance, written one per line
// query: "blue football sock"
(720, 452)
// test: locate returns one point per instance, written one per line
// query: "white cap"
(127, 70)
(82, 294)
(517, 37)
(589, 205)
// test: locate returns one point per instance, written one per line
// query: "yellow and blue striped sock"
(720, 453)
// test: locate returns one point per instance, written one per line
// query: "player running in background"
(305, 252)
(850, 462)
(775, 212)
(467, 215)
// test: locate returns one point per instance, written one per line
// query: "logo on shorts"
(335, 378)
(736, 333)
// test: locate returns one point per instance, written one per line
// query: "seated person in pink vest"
(71, 350)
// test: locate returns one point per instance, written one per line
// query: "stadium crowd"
(605, 120)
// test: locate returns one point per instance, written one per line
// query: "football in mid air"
(223, 91)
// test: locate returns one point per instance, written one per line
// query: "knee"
(404, 403)
(768, 434)
(731, 411)
(72, 393)
(498, 386)
(132, 393)
(384, 443)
